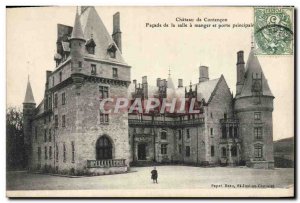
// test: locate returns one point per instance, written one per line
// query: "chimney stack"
(145, 86)
(158, 82)
(134, 82)
(240, 71)
(116, 35)
(180, 83)
(144, 80)
(203, 70)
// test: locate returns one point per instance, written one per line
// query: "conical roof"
(29, 99)
(253, 69)
(92, 24)
(77, 30)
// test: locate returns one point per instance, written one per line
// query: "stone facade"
(68, 133)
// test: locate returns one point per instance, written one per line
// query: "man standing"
(154, 175)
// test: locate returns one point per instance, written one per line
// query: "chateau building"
(68, 133)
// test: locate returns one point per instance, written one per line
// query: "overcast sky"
(32, 34)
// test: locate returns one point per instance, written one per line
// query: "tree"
(14, 139)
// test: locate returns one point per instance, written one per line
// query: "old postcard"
(150, 101)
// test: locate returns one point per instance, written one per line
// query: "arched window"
(103, 148)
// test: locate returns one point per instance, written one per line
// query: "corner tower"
(28, 114)
(77, 51)
(253, 107)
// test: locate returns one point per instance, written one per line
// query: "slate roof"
(77, 29)
(29, 99)
(92, 24)
(253, 67)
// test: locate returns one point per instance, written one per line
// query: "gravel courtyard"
(169, 177)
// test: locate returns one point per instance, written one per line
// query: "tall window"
(187, 133)
(80, 64)
(50, 153)
(258, 133)
(94, 70)
(212, 150)
(103, 148)
(56, 152)
(104, 118)
(49, 103)
(211, 131)
(179, 134)
(115, 72)
(64, 153)
(233, 151)
(224, 153)
(35, 133)
(63, 121)
(39, 154)
(45, 135)
(56, 121)
(103, 92)
(230, 131)
(163, 149)
(258, 151)
(187, 151)
(163, 135)
(55, 100)
(50, 136)
(224, 131)
(257, 116)
(60, 76)
(63, 98)
(235, 132)
(180, 149)
(46, 153)
(73, 151)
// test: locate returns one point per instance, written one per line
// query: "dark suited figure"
(154, 175)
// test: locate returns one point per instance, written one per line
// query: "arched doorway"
(103, 148)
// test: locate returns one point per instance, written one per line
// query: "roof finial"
(92, 33)
(252, 40)
(169, 72)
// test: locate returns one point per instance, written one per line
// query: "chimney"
(203, 70)
(144, 80)
(164, 82)
(240, 71)
(180, 81)
(134, 82)
(117, 31)
(158, 82)
(145, 86)
(48, 73)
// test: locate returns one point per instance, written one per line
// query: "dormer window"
(112, 50)
(90, 46)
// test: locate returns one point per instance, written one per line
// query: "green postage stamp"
(273, 30)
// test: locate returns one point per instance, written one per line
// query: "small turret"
(28, 114)
(77, 52)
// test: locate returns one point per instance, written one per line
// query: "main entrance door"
(103, 148)
(142, 151)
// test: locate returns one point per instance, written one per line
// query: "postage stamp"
(273, 30)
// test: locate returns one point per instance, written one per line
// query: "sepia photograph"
(150, 101)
